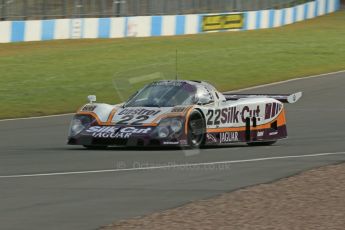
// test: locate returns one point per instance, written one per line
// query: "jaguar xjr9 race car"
(182, 113)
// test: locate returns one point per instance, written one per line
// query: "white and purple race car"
(182, 113)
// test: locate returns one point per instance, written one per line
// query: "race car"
(182, 113)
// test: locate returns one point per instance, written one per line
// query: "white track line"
(290, 80)
(170, 166)
(254, 87)
(29, 118)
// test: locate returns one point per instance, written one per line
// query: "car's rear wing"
(285, 98)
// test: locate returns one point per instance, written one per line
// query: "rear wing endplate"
(285, 98)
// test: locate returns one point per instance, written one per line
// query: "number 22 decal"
(210, 114)
(138, 120)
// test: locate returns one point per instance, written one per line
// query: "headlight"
(168, 125)
(79, 123)
(163, 132)
(176, 125)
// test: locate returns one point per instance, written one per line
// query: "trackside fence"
(161, 25)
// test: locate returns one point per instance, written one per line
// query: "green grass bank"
(42, 78)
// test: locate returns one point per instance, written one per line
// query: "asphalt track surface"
(84, 196)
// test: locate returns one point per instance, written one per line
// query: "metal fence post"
(44, 9)
(113, 7)
(25, 9)
(3, 11)
(74, 10)
(64, 8)
(118, 8)
(77, 8)
(102, 8)
(238, 5)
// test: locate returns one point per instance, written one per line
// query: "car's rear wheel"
(196, 130)
(264, 143)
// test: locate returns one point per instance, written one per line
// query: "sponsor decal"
(211, 138)
(260, 133)
(168, 83)
(246, 112)
(89, 108)
(178, 109)
(115, 132)
(228, 137)
(112, 135)
(147, 112)
(272, 109)
(273, 133)
(222, 22)
(183, 142)
(170, 142)
(104, 129)
(231, 115)
(135, 130)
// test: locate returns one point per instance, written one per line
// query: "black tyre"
(196, 130)
(265, 143)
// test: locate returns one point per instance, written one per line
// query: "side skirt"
(245, 136)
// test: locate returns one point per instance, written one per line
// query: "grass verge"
(41, 78)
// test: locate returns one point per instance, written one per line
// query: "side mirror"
(204, 100)
(91, 98)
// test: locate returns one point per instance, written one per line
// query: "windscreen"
(164, 94)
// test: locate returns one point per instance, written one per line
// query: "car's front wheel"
(196, 130)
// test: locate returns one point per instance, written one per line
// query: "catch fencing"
(161, 25)
(54, 9)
